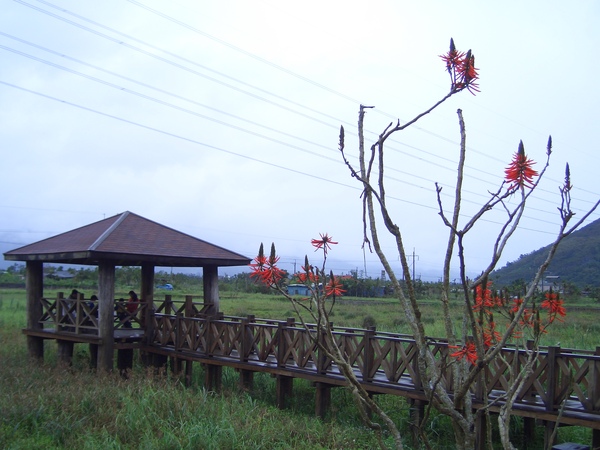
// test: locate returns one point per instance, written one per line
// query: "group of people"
(75, 294)
(124, 309)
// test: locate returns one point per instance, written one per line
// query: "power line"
(224, 123)
(282, 69)
(249, 54)
(177, 136)
(235, 88)
(164, 103)
(157, 130)
(180, 58)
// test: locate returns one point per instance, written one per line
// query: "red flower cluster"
(467, 351)
(308, 274)
(490, 335)
(554, 306)
(531, 316)
(462, 70)
(520, 172)
(265, 269)
(517, 302)
(324, 242)
(334, 288)
(484, 301)
(487, 301)
(531, 320)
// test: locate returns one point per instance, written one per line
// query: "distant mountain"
(577, 261)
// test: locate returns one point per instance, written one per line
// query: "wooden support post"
(284, 389)
(368, 354)
(209, 336)
(210, 281)
(34, 283)
(188, 309)
(106, 294)
(93, 356)
(246, 376)
(528, 431)
(176, 365)
(159, 362)
(168, 305)
(178, 333)
(213, 377)
(147, 317)
(147, 295)
(284, 336)
(323, 361)
(322, 399)
(188, 373)
(417, 413)
(60, 312)
(246, 380)
(247, 338)
(281, 344)
(78, 313)
(64, 352)
(125, 361)
(481, 424)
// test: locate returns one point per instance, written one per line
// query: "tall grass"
(48, 406)
(55, 407)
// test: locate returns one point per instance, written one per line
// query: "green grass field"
(62, 408)
(580, 329)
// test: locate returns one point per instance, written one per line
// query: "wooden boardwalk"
(564, 387)
(565, 382)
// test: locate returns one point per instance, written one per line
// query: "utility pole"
(414, 257)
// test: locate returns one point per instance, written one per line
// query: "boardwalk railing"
(564, 381)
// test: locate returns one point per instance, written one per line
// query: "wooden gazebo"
(126, 239)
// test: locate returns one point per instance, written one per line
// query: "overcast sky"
(221, 118)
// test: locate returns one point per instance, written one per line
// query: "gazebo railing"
(80, 316)
(66, 315)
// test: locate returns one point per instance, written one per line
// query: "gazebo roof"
(127, 240)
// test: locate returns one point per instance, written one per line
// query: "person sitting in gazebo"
(132, 306)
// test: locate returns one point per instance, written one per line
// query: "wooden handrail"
(386, 359)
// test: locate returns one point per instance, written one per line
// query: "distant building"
(298, 289)
(550, 282)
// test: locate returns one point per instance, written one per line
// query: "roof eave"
(94, 258)
(47, 257)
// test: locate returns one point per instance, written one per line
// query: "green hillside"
(577, 261)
